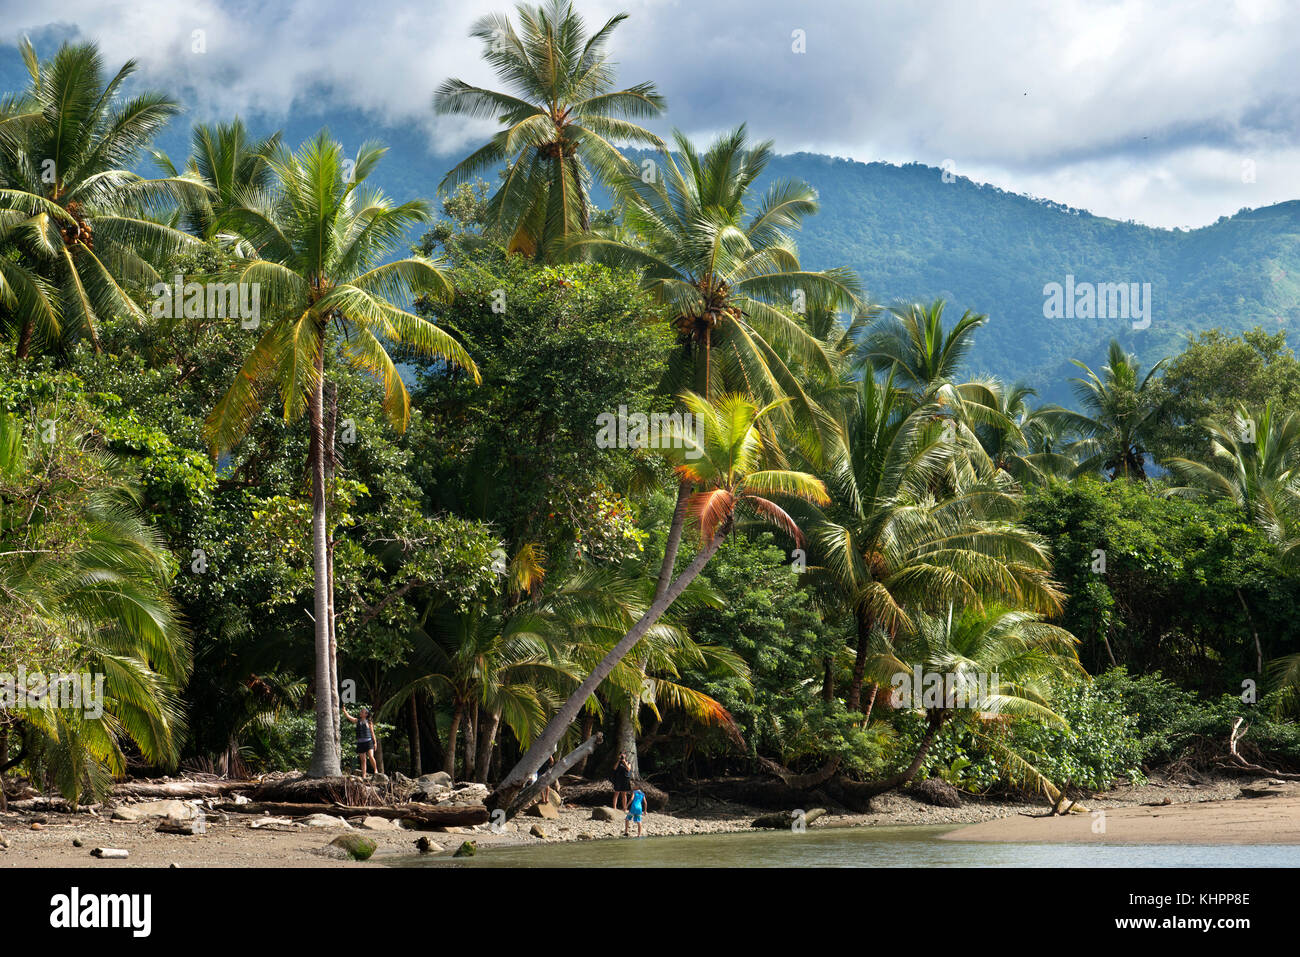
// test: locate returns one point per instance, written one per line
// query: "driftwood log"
(1239, 728)
(601, 793)
(300, 789)
(182, 790)
(444, 815)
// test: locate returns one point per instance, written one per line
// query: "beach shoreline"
(1211, 813)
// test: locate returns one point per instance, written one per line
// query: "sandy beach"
(1209, 813)
(1268, 820)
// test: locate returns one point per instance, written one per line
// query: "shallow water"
(915, 846)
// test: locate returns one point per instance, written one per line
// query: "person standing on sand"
(634, 811)
(622, 781)
(365, 739)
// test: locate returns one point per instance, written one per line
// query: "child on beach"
(634, 812)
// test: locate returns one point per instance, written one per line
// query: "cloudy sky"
(1170, 113)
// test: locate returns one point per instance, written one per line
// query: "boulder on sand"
(176, 810)
(356, 846)
(193, 827)
(544, 809)
(935, 791)
(606, 814)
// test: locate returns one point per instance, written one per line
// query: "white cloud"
(1141, 110)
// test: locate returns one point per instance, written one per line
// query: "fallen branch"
(445, 815)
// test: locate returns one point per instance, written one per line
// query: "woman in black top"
(622, 781)
(365, 739)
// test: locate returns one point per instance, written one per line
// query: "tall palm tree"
(321, 242)
(723, 458)
(1122, 409)
(71, 211)
(731, 277)
(991, 662)
(228, 161)
(729, 273)
(913, 521)
(83, 575)
(560, 118)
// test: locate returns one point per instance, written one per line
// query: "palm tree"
(82, 574)
(1122, 409)
(914, 522)
(723, 459)
(561, 119)
(71, 212)
(912, 340)
(1020, 439)
(226, 159)
(1254, 462)
(730, 276)
(321, 242)
(987, 662)
(733, 283)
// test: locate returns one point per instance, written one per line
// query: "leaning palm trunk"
(325, 753)
(549, 739)
(627, 716)
(874, 788)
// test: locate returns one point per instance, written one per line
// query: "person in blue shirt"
(634, 812)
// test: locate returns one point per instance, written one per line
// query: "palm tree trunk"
(329, 423)
(334, 659)
(487, 738)
(471, 741)
(325, 754)
(871, 703)
(933, 724)
(413, 736)
(853, 701)
(627, 734)
(25, 339)
(549, 739)
(449, 754)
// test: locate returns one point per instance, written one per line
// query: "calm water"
(914, 846)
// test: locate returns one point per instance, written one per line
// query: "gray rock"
(606, 814)
(176, 810)
(372, 823)
(440, 778)
(192, 828)
(936, 791)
